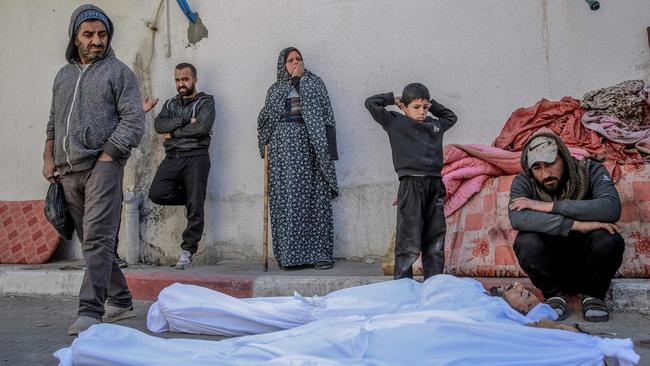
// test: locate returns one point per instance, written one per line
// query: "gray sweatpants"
(94, 197)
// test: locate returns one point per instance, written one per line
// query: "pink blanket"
(468, 167)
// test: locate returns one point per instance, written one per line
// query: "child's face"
(417, 109)
(520, 298)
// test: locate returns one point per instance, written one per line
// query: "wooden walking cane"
(265, 233)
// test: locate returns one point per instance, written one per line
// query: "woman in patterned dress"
(295, 123)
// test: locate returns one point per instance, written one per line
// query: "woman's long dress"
(301, 210)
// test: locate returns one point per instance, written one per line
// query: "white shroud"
(411, 338)
(444, 321)
(197, 310)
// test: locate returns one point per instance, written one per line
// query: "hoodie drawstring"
(67, 128)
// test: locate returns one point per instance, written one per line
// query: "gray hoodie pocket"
(91, 139)
(84, 137)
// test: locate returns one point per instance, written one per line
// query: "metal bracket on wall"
(593, 4)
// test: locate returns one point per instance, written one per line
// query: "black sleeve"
(165, 123)
(204, 121)
(377, 104)
(446, 117)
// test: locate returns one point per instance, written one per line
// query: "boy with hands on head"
(416, 144)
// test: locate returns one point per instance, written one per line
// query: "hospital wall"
(482, 59)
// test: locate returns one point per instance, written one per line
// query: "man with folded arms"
(565, 211)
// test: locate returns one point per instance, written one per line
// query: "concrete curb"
(308, 286)
(627, 294)
(147, 285)
(630, 294)
(46, 282)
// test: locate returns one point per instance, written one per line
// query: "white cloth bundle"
(411, 338)
(197, 310)
(444, 321)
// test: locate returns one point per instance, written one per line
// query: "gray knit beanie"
(91, 14)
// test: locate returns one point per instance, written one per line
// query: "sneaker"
(121, 262)
(185, 260)
(82, 323)
(114, 313)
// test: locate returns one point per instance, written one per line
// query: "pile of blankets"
(620, 113)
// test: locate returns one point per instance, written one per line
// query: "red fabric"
(25, 234)
(563, 118)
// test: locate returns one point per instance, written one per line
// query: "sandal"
(594, 310)
(558, 303)
(324, 264)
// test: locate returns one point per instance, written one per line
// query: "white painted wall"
(483, 59)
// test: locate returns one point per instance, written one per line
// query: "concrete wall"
(483, 59)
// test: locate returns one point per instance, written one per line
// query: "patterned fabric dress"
(302, 179)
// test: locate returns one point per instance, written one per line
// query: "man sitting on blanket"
(565, 210)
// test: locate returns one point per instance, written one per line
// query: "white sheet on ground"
(410, 338)
(197, 310)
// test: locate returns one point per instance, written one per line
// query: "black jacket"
(175, 118)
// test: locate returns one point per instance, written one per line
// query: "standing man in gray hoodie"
(96, 118)
(565, 210)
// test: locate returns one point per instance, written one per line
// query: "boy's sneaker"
(185, 260)
(121, 262)
(82, 323)
(114, 313)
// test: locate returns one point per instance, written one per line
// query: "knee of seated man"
(528, 244)
(604, 243)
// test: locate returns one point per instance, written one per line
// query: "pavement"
(34, 327)
(38, 302)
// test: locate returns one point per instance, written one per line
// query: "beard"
(90, 53)
(185, 92)
(552, 185)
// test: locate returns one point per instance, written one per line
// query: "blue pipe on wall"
(185, 7)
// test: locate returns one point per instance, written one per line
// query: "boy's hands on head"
(398, 101)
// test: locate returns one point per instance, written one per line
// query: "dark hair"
(185, 65)
(498, 291)
(414, 91)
